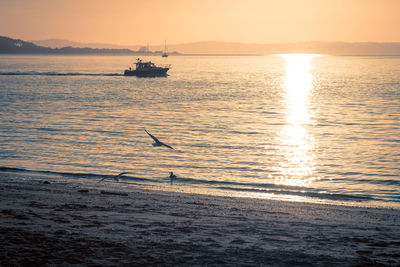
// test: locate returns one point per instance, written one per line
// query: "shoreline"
(50, 220)
(178, 186)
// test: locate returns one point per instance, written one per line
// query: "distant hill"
(330, 48)
(60, 46)
(16, 46)
(232, 48)
(60, 43)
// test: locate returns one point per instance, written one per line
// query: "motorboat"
(147, 69)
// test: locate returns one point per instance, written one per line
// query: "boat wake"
(52, 73)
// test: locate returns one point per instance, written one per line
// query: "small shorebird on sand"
(156, 141)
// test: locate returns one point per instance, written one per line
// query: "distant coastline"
(326, 48)
(65, 47)
(17, 46)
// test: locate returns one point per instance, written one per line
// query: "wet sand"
(51, 221)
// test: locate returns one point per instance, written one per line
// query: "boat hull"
(147, 73)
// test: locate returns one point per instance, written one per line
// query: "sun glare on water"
(295, 143)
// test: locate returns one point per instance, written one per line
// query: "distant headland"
(17, 46)
(65, 47)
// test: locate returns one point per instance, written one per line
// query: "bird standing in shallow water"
(157, 142)
(172, 176)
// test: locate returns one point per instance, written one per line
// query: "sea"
(294, 127)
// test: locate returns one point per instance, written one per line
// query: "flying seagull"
(156, 141)
(116, 177)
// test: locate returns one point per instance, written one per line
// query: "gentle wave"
(74, 175)
(387, 182)
(263, 188)
(319, 195)
(51, 73)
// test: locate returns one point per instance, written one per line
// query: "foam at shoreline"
(229, 188)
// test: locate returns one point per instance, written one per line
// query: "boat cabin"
(144, 65)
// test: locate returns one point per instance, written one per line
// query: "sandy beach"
(54, 221)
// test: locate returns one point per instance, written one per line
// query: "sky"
(133, 22)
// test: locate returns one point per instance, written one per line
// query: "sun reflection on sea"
(295, 143)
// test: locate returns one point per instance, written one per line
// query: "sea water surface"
(297, 127)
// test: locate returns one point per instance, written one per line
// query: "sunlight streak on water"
(296, 143)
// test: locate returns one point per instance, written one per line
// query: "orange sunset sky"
(131, 22)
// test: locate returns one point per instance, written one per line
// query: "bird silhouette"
(172, 176)
(116, 177)
(157, 142)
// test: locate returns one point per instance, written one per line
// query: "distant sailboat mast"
(165, 53)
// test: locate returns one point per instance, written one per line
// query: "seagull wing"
(167, 145)
(152, 136)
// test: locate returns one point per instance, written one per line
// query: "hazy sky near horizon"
(131, 22)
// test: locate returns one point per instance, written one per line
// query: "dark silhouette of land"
(16, 46)
(55, 46)
(59, 43)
